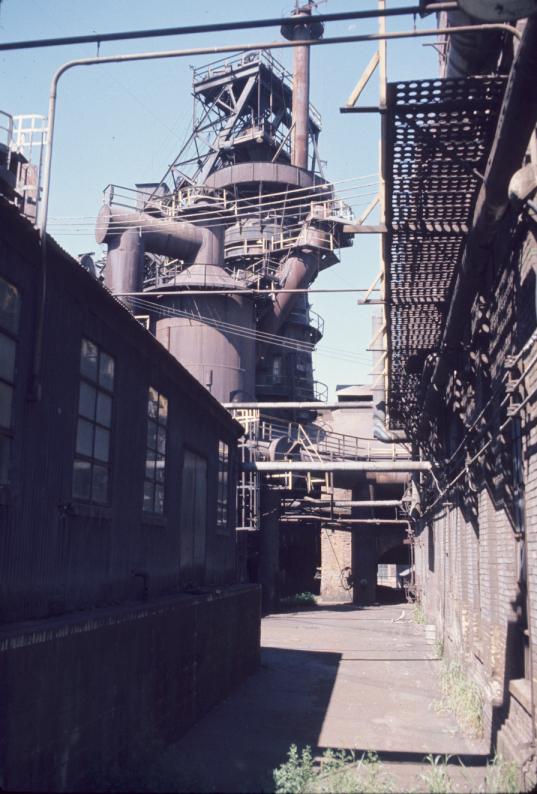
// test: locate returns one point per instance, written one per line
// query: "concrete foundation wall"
(82, 694)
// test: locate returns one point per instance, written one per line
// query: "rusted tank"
(214, 336)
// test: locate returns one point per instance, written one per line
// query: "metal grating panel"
(439, 135)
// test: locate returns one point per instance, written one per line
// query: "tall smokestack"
(310, 29)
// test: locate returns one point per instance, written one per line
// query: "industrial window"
(193, 516)
(91, 471)
(223, 487)
(277, 368)
(9, 329)
(382, 571)
(155, 459)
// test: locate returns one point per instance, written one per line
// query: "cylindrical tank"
(221, 357)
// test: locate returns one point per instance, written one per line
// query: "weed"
(461, 696)
(372, 777)
(296, 775)
(439, 649)
(338, 773)
(437, 779)
(418, 614)
(502, 777)
(305, 599)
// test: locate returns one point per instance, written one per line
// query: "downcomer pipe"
(300, 271)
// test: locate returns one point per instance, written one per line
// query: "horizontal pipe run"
(290, 519)
(99, 38)
(315, 406)
(277, 466)
(352, 503)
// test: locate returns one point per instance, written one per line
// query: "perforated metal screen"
(439, 135)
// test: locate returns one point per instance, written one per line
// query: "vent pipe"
(301, 81)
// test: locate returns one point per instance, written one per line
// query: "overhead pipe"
(344, 523)
(281, 466)
(317, 406)
(215, 27)
(353, 502)
(516, 124)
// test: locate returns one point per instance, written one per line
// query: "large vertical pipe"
(301, 101)
(301, 82)
(269, 549)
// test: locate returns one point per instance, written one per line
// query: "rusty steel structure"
(245, 204)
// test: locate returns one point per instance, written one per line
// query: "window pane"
(106, 371)
(81, 479)
(84, 438)
(104, 409)
(148, 496)
(161, 440)
(162, 409)
(99, 490)
(88, 359)
(9, 306)
(150, 465)
(6, 399)
(5, 448)
(152, 403)
(161, 468)
(102, 444)
(7, 358)
(151, 434)
(159, 498)
(86, 401)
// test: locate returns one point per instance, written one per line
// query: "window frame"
(154, 481)
(8, 432)
(223, 479)
(100, 389)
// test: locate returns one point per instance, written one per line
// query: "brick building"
(461, 326)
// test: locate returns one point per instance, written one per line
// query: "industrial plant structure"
(217, 259)
(175, 450)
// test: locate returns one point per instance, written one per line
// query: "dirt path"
(340, 677)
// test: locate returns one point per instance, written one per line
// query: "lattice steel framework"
(440, 134)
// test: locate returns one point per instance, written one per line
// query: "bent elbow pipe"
(178, 240)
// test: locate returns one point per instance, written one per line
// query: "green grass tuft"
(461, 696)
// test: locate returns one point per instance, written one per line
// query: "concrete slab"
(339, 677)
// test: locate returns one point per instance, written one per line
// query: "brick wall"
(83, 693)
(472, 553)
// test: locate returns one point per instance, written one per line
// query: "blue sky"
(124, 123)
